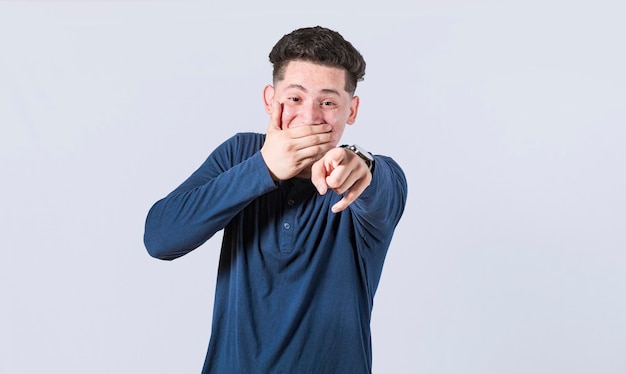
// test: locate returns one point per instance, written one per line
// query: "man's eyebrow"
(330, 91)
(298, 87)
(324, 90)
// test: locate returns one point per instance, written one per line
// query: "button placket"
(287, 234)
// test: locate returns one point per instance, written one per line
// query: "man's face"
(313, 94)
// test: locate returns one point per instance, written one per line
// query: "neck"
(304, 174)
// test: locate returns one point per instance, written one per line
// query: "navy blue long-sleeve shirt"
(296, 282)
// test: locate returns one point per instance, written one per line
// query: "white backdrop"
(509, 121)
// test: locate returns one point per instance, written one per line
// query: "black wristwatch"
(365, 155)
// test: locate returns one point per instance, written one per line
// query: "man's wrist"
(366, 156)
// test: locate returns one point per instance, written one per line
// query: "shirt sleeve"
(232, 176)
(379, 208)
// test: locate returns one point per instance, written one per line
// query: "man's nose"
(311, 114)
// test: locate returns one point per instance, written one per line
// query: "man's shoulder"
(249, 135)
(244, 140)
(242, 144)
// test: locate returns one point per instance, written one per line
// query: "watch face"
(363, 153)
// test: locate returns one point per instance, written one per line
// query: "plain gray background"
(508, 119)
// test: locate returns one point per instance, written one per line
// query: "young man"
(306, 224)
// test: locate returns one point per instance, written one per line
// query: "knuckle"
(289, 147)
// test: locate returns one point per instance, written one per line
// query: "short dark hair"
(321, 46)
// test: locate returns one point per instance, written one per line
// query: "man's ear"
(354, 110)
(268, 98)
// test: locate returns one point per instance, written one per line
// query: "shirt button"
(290, 202)
(286, 225)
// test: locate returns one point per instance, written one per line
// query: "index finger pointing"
(318, 176)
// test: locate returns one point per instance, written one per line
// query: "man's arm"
(381, 205)
(377, 197)
(204, 204)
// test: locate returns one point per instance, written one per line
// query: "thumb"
(276, 116)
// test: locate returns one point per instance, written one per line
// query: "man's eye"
(327, 103)
(293, 99)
